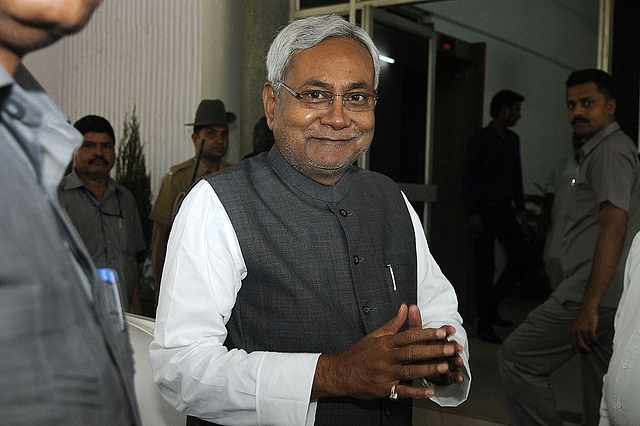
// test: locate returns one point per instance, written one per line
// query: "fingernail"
(448, 350)
(441, 334)
(443, 368)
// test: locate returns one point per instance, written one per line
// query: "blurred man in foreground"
(66, 359)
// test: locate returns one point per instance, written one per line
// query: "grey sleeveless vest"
(325, 267)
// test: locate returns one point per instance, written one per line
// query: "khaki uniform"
(175, 183)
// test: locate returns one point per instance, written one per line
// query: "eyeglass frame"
(299, 96)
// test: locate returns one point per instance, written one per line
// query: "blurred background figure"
(103, 211)
(210, 140)
(494, 199)
(262, 137)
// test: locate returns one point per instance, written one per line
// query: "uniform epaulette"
(185, 164)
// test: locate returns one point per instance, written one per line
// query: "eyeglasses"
(321, 99)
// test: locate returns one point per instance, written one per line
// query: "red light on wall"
(447, 46)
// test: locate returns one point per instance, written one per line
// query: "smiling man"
(66, 358)
(603, 215)
(299, 289)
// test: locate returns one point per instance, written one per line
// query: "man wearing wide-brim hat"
(211, 140)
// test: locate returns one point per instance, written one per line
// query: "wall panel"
(144, 54)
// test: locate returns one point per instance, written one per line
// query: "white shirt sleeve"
(438, 305)
(193, 369)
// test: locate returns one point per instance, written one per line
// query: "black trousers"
(498, 223)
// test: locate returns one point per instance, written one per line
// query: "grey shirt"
(110, 228)
(66, 357)
(608, 170)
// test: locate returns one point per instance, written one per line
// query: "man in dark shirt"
(493, 195)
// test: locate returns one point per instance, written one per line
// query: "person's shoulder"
(70, 182)
(182, 167)
(482, 134)
(618, 142)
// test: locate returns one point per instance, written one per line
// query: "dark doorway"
(402, 147)
(457, 117)
(398, 148)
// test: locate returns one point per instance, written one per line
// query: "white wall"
(221, 61)
(531, 48)
(149, 54)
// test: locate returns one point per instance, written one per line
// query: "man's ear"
(269, 102)
(611, 106)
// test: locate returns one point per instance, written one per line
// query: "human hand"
(386, 357)
(583, 330)
(456, 363)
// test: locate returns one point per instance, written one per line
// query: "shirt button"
(387, 411)
(15, 110)
(619, 405)
(625, 365)
(573, 181)
(357, 259)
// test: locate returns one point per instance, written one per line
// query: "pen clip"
(393, 277)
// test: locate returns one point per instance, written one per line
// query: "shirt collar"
(307, 185)
(596, 139)
(73, 181)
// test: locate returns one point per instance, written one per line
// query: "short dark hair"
(505, 98)
(94, 123)
(603, 81)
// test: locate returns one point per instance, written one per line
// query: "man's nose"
(337, 114)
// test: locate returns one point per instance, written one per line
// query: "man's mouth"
(98, 160)
(579, 120)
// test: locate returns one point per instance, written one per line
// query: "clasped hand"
(388, 356)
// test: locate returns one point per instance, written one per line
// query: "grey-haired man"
(299, 289)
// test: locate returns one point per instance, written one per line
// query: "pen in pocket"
(393, 277)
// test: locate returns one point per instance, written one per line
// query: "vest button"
(356, 259)
(344, 213)
(387, 411)
(367, 310)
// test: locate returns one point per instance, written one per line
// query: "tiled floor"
(485, 405)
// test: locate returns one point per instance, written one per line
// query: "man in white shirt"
(299, 289)
(619, 405)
